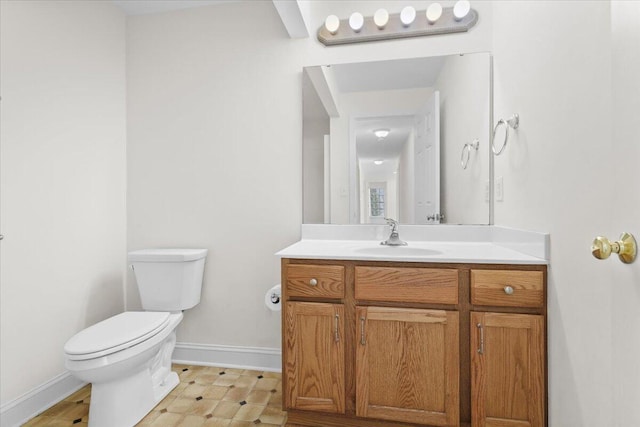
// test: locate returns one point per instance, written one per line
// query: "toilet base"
(128, 399)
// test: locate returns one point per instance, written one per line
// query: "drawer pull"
(313, 282)
(336, 333)
(362, 340)
(481, 349)
(508, 290)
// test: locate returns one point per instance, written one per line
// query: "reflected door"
(427, 162)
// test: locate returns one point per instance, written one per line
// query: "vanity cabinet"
(391, 344)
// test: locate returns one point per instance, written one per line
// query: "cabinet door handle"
(313, 282)
(362, 340)
(336, 332)
(481, 349)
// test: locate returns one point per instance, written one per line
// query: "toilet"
(127, 358)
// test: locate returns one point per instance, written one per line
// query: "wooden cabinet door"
(407, 365)
(314, 357)
(507, 370)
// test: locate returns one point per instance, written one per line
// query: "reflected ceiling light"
(461, 9)
(356, 21)
(378, 162)
(407, 16)
(332, 23)
(381, 133)
(434, 12)
(381, 18)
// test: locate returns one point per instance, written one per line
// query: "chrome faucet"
(394, 238)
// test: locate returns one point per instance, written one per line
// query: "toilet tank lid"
(167, 255)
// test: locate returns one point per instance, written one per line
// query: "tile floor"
(205, 397)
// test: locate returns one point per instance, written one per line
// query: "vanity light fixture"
(332, 23)
(381, 18)
(408, 23)
(434, 12)
(407, 16)
(356, 21)
(381, 133)
(378, 162)
(461, 9)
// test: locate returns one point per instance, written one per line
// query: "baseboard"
(30, 404)
(256, 358)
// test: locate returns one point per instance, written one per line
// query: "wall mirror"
(407, 139)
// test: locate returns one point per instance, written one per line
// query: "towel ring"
(513, 122)
(466, 152)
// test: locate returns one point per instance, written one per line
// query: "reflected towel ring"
(513, 122)
(466, 152)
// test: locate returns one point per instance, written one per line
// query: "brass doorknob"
(626, 248)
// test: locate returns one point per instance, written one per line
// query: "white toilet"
(127, 357)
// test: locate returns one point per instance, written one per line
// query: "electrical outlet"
(499, 189)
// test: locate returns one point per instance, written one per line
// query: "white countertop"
(497, 246)
(475, 252)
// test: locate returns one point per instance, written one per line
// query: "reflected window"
(377, 207)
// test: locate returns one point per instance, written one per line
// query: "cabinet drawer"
(507, 288)
(305, 280)
(422, 285)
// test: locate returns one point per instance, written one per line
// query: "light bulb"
(381, 133)
(434, 12)
(407, 16)
(332, 23)
(378, 162)
(461, 9)
(381, 18)
(356, 21)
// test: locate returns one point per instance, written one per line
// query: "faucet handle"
(392, 223)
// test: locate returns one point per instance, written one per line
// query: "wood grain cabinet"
(508, 357)
(407, 365)
(507, 370)
(390, 344)
(314, 369)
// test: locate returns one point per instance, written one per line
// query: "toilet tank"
(168, 279)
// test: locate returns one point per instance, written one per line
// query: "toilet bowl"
(129, 367)
(127, 358)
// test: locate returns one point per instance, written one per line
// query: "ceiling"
(145, 7)
(388, 75)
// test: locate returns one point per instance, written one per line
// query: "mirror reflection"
(387, 139)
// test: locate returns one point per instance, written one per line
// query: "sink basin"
(405, 251)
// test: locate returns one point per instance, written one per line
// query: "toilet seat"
(115, 334)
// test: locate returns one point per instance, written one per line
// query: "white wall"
(406, 182)
(464, 85)
(313, 164)
(214, 145)
(63, 172)
(214, 157)
(553, 66)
